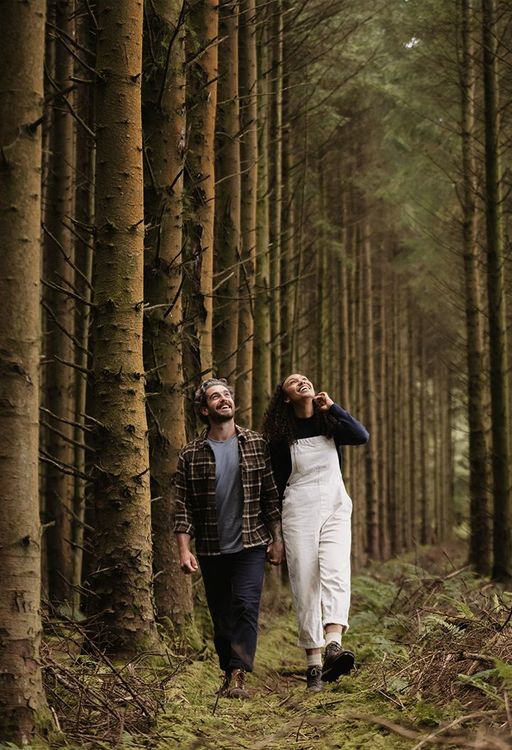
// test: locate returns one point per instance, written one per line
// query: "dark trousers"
(233, 586)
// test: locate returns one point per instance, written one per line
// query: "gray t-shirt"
(228, 493)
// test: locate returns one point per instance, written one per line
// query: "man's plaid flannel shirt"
(196, 512)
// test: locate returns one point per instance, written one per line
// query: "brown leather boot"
(337, 661)
(237, 687)
(226, 681)
(314, 678)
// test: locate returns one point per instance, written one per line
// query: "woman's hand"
(324, 401)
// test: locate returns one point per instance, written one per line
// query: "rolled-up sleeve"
(183, 520)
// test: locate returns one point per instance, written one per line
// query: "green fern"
(504, 671)
(433, 623)
(479, 682)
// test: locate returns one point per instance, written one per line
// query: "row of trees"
(245, 188)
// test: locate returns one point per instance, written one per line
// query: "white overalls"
(317, 535)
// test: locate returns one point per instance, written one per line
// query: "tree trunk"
(262, 332)
(84, 213)
(276, 183)
(21, 89)
(60, 321)
(122, 582)
(397, 491)
(372, 490)
(502, 535)
(412, 536)
(480, 539)
(164, 138)
(202, 58)
(249, 170)
(425, 516)
(227, 196)
(286, 264)
(382, 412)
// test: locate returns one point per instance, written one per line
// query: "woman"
(304, 431)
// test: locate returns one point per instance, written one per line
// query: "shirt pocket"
(252, 476)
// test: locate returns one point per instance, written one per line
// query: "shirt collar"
(240, 431)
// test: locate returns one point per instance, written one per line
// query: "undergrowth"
(434, 668)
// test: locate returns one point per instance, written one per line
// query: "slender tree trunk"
(390, 418)
(423, 441)
(437, 453)
(60, 320)
(397, 507)
(372, 490)
(382, 414)
(344, 328)
(480, 539)
(502, 561)
(49, 67)
(227, 196)
(298, 339)
(21, 89)
(202, 60)
(287, 227)
(84, 212)
(249, 169)
(412, 536)
(276, 183)
(163, 98)
(122, 582)
(358, 368)
(262, 382)
(324, 304)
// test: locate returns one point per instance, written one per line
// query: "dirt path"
(414, 686)
(281, 714)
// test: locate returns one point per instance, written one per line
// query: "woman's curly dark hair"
(280, 422)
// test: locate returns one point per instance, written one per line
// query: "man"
(227, 500)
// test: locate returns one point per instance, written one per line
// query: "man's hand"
(188, 562)
(275, 552)
(324, 401)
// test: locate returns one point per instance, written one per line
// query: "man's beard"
(219, 417)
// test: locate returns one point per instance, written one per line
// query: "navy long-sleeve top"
(345, 431)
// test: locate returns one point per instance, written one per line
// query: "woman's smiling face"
(297, 387)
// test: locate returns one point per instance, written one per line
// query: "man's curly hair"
(280, 422)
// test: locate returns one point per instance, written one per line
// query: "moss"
(396, 648)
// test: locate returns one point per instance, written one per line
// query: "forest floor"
(433, 645)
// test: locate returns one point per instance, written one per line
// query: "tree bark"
(372, 490)
(122, 580)
(202, 60)
(163, 98)
(22, 700)
(498, 348)
(227, 196)
(84, 213)
(276, 183)
(425, 517)
(249, 170)
(480, 539)
(60, 320)
(262, 331)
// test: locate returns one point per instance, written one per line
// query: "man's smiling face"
(220, 406)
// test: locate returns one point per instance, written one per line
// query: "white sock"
(314, 660)
(333, 637)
